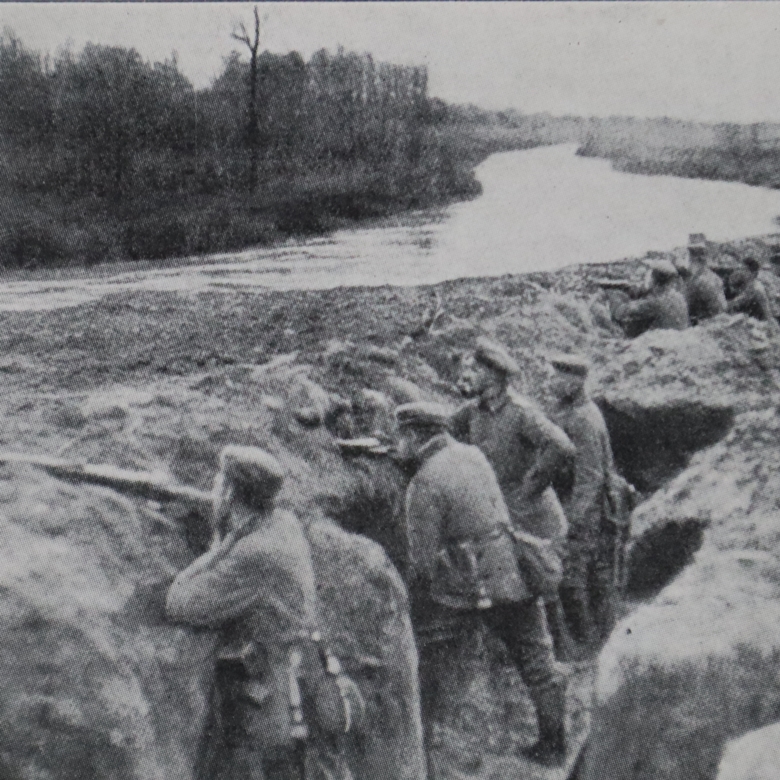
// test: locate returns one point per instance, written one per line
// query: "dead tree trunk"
(252, 135)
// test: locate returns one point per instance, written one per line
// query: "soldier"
(256, 587)
(526, 450)
(704, 288)
(662, 307)
(751, 297)
(770, 278)
(463, 572)
(588, 586)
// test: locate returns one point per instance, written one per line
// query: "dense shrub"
(105, 155)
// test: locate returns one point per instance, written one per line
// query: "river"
(541, 209)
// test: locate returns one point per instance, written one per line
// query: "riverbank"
(44, 230)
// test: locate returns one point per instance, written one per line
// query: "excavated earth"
(95, 684)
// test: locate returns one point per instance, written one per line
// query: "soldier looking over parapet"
(463, 572)
(275, 683)
(703, 288)
(662, 306)
(750, 294)
(589, 576)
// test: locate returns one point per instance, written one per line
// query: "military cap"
(662, 269)
(697, 241)
(424, 414)
(751, 264)
(494, 355)
(570, 364)
(252, 468)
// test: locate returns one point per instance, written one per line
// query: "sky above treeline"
(713, 61)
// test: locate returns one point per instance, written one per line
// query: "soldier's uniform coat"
(705, 296)
(454, 498)
(754, 301)
(527, 452)
(587, 505)
(660, 309)
(261, 590)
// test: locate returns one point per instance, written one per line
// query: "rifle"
(145, 484)
(615, 284)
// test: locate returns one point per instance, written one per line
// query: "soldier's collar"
(432, 446)
(580, 399)
(495, 404)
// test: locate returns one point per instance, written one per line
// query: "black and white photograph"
(390, 390)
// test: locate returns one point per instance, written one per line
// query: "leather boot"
(550, 749)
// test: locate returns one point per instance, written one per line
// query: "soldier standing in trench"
(588, 589)
(526, 450)
(463, 573)
(256, 587)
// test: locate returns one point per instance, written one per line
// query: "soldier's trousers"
(588, 591)
(523, 629)
(246, 763)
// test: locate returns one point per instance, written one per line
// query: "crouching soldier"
(272, 709)
(463, 571)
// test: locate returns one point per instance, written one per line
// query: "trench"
(659, 555)
(652, 445)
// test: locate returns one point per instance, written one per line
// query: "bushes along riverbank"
(104, 156)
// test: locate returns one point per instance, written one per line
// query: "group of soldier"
(513, 525)
(676, 295)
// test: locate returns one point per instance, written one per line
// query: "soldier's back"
(461, 478)
(671, 311)
(705, 296)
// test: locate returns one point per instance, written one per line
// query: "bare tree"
(253, 44)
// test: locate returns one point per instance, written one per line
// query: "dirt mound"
(697, 665)
(96, 683)
(755, 756)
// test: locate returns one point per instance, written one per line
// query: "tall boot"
(550, 749)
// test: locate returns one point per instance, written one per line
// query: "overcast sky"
(712, 61)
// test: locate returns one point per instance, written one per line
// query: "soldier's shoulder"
(455, 458)
(466, 409)
(279, 529)
(522, 403)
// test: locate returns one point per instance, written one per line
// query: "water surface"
(541, 209)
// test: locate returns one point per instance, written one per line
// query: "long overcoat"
(459, 542)
(259, 593)
(527, 452)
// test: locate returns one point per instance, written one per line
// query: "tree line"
(104, 154)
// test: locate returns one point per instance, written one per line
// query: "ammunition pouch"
(260, 697)
(275, 699)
